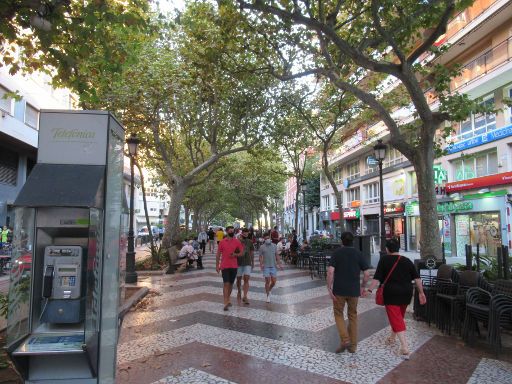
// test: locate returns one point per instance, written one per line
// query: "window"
(353, 170)
(325, 203)
(337, 175)
(393, 156)
(509, 95)
(480, 164)
(8, 166)
(371, 193)
(31, 116)
(5, 104)
(478, 124)
(352, 195)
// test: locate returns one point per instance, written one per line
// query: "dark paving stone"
(220, 362)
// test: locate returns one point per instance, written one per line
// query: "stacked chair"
(493, 307)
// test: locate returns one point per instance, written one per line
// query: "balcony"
(483, 64)
(462, 19)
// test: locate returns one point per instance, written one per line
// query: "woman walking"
(397, 272)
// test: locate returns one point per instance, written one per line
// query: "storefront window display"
(478, 228)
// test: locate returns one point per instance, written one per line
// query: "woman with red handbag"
(395, 274)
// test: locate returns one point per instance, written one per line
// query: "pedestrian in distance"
(226, 261)
(245, 266)
(269, 262)
(211, 240)
(202, 237)
(397, 272)
(219, 235)
(343, 284)
(274, 235)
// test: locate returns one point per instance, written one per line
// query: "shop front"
(394, 223)
(478, 220)
(352, 218)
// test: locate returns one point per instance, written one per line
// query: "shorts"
(244, 270)
(229, 275)
(270, 271)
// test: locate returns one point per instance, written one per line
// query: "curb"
(132, 300)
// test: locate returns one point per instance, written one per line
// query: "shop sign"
(324, 215)
(355, 203)
(371, 160)
(391, 209)
(497, 134)
(351, 214)
(448, 207)
(480, 182)
(455, 206)
(440, 174)
(335, 215)
(394, 188)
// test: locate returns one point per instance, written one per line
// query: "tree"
(188, 100)
(74, 41)
(349, 43)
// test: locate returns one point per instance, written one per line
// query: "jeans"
(347, 334)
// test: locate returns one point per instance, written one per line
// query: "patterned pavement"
(182, 335)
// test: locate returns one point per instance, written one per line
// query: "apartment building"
(475, 176)
(19, 118)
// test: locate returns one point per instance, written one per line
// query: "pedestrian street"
(181, 334)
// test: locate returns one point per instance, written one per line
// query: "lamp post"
(304, 189)
(131, 275)
(380, 154)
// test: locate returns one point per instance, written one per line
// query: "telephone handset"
(48, 281)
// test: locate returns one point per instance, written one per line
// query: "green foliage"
(488, 267)
(4, 303)
(320, 243)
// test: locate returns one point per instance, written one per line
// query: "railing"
(480, 66)
(462, 19)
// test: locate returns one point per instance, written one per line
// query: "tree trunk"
(430, 241)
(328, 174)
(195, 220)
(266, 220)
(297, 205)
(173, 218)
(155, 257)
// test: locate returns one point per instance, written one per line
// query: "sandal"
(390, 341)
(404, 354)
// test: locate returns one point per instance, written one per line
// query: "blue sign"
(497, 134)
(370, 160)
(346, 183)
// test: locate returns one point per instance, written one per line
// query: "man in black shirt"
(343, 284)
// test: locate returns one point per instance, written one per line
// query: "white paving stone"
(372, 361)
(193, 376)
(314, 321)
(252, 283)
(490, 371)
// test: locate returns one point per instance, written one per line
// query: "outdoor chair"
(451, 298)
(445, 273)
(492, 308)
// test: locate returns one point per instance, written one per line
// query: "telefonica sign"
(72, 134)
(73, 138)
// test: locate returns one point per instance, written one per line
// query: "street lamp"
(131, 275)
(304, 189)
(380, 154)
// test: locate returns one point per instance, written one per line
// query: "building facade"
(473, 179)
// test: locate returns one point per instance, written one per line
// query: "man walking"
(269, 261)
(202, 238)
(220, 235)
(226, 261)
(211, 240)
(245, 266)
(274, 235)
(343, 284)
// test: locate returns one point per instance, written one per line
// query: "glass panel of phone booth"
(18, 325)
(93, 290)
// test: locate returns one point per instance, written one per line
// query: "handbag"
(379, 294)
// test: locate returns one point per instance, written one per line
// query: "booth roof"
(59, 185)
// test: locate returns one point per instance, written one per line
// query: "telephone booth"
(65, 280)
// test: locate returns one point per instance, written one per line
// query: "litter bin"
(427, 269)
(362, 242)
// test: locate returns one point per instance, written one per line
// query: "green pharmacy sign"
(454, 206)
(440, 174)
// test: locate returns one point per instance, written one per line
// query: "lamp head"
(380, 150)
(133, 141)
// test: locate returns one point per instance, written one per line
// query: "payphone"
(62, 325)
(63, 285)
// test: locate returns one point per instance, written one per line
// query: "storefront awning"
(57, 185)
